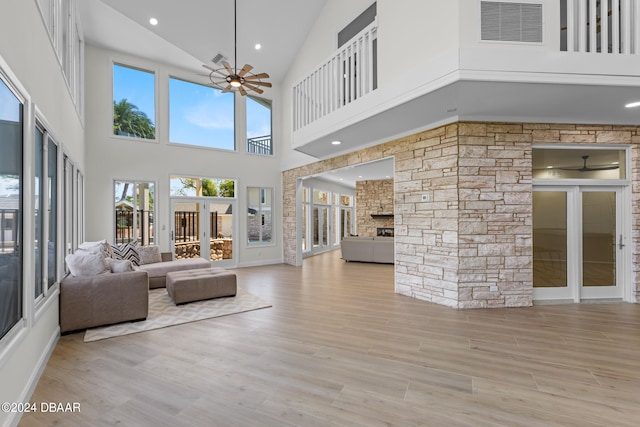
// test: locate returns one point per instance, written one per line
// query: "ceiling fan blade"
(208, 67)
(242, 91)
(245, 70)
(253, 88)
(265, 84)
(257, 76)
(228, 67)
(602, 168)
(227, 89)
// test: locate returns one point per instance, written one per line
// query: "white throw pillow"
(83, 263)
(149, 254)
(100, 246)
(119, 265)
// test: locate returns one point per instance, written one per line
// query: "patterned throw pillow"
(126, 251)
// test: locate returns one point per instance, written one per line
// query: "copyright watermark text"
(24, 407)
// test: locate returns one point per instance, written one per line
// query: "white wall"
(417, 44)
(110, 158)
(25, 49)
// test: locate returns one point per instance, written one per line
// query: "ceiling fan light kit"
(229, 78)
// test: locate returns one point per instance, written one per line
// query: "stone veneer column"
(474, 231)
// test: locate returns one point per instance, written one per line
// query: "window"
(201, 115)
(134, 108)
(61, 21)
(11, 181)
(259, 126)
(183, 186)
(52, 206)
(579, 163)
(259, 215)
(134, 212)
(39, 210)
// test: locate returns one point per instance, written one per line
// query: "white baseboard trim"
(26, 394)
(259, 263)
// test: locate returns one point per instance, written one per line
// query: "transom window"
(184, 186)
(579, 163)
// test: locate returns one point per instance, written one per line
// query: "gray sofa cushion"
(158, 271)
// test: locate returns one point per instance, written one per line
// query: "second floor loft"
(534, 60)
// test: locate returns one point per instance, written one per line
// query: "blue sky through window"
(200, 115)
(137, 87)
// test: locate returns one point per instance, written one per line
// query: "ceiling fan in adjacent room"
(586, 168)
(232, 78)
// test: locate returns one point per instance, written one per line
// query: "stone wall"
(219, 249)
(373, 197)
(473, 233)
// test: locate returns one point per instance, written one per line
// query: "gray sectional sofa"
(105, 299)
(108, 298)
(368, 249)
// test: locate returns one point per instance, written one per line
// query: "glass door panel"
(550, 239)
(599, 238)
(220, 232)
(186, 229)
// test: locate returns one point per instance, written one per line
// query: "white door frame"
(205, 210)
(575, 291)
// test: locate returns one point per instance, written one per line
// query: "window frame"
(259, 214)
(191, 145)
(153, 237)
(18, 330)
(154, 72)
(261, 101)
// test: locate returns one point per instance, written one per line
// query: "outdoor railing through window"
(9, 229)
(260, 145)
(187, 226)
(125, 230)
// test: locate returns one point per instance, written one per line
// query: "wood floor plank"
(339, 348)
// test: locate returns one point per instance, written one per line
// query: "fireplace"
(384, 231)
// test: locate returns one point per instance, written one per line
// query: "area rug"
(163, 312)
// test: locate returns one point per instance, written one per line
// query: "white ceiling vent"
(511, 22)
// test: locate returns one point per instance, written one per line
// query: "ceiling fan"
(586, 168)
(230, 78)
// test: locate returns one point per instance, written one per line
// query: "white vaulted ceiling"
(191, 32)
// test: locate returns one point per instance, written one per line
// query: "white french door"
(580, 242)
(204, 228)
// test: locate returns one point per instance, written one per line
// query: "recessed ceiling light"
(359, 176)
(633, 104)
(336, 142)
(549, 167)
(153, 21)
(258, 46)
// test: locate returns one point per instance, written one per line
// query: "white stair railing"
(349, 74)
(594, 26)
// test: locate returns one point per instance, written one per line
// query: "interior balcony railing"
(347, 75)
(600, 26)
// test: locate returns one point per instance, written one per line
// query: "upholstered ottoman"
(204, 283)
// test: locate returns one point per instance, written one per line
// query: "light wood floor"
(338, 347)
